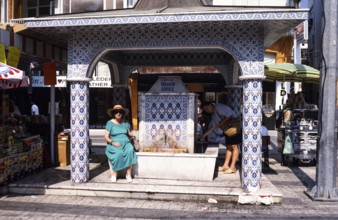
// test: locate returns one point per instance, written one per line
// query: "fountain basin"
(177, 166)
(164, 150)
(170, 165)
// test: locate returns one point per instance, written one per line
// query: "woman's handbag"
(232, 127)
(135, 143)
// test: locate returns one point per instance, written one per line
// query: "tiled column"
(252, 141)
(234, 98)
(79, 131)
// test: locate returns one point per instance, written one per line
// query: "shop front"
(21, 152)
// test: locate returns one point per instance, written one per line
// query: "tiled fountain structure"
(167, 115)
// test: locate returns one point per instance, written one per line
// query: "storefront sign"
(100, 82)
(2, 54)
(97, 82)
(49, 70)
(13, 56)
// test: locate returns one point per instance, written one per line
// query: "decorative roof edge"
(60, 21)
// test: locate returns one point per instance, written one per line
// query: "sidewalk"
(291, 181)
(224, 187)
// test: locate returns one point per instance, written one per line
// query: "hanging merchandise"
(288, 147)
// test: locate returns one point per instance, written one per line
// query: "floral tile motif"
(79, 132)
(167, 118)
(252, 118)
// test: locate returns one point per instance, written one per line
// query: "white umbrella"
(13, 84)
(11, 78)
(10, 73)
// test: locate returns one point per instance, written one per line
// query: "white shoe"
(113, 179)
(129, 179)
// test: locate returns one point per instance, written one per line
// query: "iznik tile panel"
(167, 115)
(167, 119)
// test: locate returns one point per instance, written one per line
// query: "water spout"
(165, 145)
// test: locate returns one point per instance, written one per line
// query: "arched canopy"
(134, 59)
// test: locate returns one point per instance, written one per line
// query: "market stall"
(298, 132)
(21, 153)
(19, 157)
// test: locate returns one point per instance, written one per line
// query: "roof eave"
(110, 19)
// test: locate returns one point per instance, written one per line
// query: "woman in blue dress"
(119, 150)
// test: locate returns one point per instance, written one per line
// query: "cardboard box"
(64, 150)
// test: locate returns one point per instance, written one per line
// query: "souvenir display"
(20, 153)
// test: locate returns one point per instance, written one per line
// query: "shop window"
(39, 7)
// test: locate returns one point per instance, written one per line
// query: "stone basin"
(169, 150)
(177, 166)
(170, 165)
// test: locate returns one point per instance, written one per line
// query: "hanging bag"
(288, 147)
(232, 128)
(135, 143)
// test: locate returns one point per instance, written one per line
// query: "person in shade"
(216, 135)
(34, 108)
(119, 150)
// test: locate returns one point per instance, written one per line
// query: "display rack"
(21, 159)
(302, 131)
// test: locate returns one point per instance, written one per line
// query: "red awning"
(7, 84)
(11, 77)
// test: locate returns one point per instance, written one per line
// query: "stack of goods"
(20, 158)
(35, 155)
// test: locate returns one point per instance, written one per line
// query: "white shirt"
(221, 110)
(35, 110)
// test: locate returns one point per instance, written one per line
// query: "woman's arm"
(106, 136)
(129, 130)
(110, 141)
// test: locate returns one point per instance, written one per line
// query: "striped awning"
(11, 77)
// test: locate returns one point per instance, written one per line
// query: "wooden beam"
(18, 27)
(134, 103)
(3, 26)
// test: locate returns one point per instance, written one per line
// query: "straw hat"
(111, 111)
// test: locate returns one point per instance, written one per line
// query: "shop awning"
(5, 84)
(11, 77)
(291, 72)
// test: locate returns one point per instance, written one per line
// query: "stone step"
(56, 181)
(133, 190)
(170, 190)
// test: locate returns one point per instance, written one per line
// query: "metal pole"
(296, 49)
(52, 123)
(325, 189)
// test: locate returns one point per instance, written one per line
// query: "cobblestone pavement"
(292, 181)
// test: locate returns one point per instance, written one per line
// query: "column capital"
(248, 77)
(79, 79)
